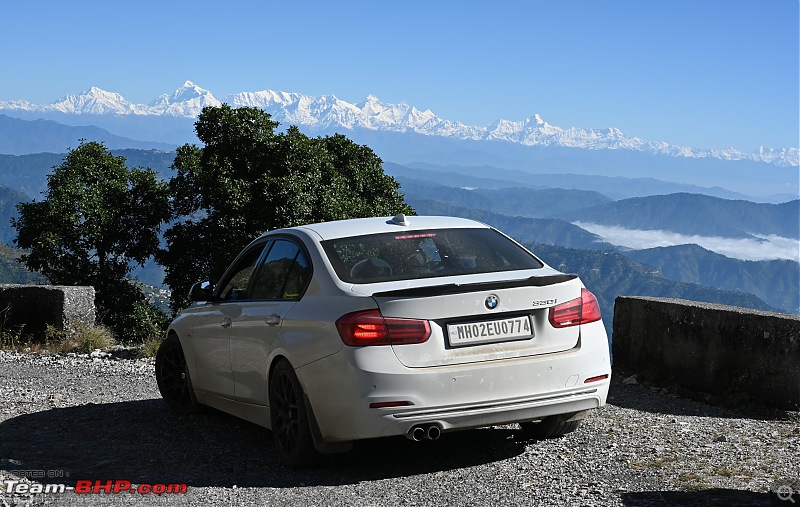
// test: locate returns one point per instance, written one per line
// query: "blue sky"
(701, 73)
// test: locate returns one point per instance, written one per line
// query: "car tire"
(291, 431)
(172, 377)
(550, 427)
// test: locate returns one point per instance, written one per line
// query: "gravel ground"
(82, 418)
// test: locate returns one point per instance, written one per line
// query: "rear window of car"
(425, 254)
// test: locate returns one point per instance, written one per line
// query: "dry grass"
(81, 340)
(150, 347)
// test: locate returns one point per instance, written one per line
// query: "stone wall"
(37, 306)
(735, 354)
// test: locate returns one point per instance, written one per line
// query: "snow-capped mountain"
(93, 101)
(328, 112)
(187, 101)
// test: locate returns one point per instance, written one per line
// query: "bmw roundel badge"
(491, 302)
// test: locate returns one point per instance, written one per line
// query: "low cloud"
(750, 249)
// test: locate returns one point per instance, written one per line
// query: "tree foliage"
(96, 218)
(248, 179)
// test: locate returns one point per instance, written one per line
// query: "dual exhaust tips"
(424, 432)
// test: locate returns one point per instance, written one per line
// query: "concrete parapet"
(37, 306)
(735, 353)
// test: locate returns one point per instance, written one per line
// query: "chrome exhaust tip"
(433, 433)
(417, 433)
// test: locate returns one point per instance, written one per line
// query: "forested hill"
(19, 137)
(610, 274)
(11, 271)
(696, 214)
(28, 173)
(515, 201)
(775, 281)
(523, 229)
(9, 198)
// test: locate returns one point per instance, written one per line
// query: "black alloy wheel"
(290, 428)
(172, 377)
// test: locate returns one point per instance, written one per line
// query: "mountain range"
(777, 281)
(329, 112)
(613, 187)
(21, 137)
(695, 214)
(610, 274)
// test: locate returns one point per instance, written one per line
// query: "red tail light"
(369, 327)
(581, 310)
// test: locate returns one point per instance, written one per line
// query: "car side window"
(298, 277)
(235, 287)
(284, 273)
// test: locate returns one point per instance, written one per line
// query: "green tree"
(97, 218)
(248, 179)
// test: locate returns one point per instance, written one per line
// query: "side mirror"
(201, 291)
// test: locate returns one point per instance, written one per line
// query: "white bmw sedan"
(333, 332)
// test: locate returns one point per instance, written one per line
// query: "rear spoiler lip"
(458, 288)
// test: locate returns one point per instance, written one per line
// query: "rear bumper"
(506, 411)
(452, 397)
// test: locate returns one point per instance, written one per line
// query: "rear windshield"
(425, 254)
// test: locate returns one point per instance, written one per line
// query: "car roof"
(377, 225)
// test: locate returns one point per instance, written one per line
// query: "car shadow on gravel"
(701, 498)
(143, 442)
(669, 400)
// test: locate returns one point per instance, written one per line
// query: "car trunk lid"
(483, 320)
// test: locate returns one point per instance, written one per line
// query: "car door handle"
(273, 320)
(226, 322)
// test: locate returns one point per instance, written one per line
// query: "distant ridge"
(777, 282)
(696, 214)
(21, 137)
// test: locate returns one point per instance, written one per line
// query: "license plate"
(491, 331)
